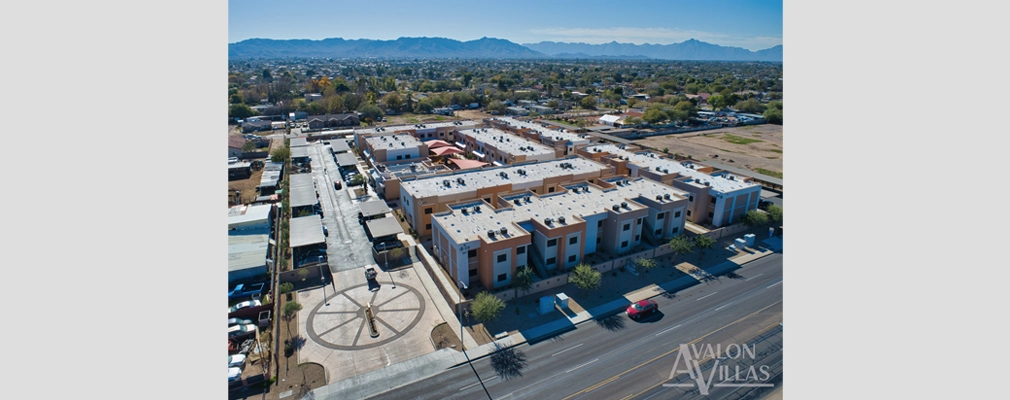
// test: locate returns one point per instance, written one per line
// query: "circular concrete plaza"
(341, 325)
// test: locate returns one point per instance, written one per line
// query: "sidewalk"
(535, 327)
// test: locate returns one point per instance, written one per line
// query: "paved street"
(616, 357)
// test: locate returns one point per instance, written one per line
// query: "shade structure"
(467, 164)
(444, 151)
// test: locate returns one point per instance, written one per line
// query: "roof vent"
(561, 219)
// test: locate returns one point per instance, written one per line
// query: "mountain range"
(491, 48)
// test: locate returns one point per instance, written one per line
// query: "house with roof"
(235, 144)
(333, 120)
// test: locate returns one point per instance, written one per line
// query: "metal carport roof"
(306, 231)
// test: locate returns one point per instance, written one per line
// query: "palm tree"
(703, 242)
(645, 264)
(680, 244)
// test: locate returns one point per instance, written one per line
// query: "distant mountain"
(690, 50)
(589, 57)
(360, 48)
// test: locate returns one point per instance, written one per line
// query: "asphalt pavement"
(347, 246)
(614, 357)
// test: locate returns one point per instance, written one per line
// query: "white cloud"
(653, 36)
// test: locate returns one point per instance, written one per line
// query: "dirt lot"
(764, 149)
(247, 186)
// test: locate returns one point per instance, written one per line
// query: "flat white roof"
(719, 183)
(396, 141)
(568, 204)
(472, 180)
(554, 134)
(507, 142)
(419, 127)
(247, 251)
(306, 230)
(245, 214)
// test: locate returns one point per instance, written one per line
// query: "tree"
(290, 309)
(496, 106)
(393, 101)
(588, 102)
(235, 99)
(248, 146)
(645, 264)
(585, 277)
(654, 115)
(370, 111)
(240, 111)
(775, 213)
(717, 102)
(754, 218)
(523, 279)
(281, 154)
(703, 242)
(680, 244)
(773, 116)
(357, 179)
(750, 105)
(486, 307)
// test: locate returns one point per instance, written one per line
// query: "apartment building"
(476, 242)
(422, 197)
(502, 148)
(395, 147)
(423, 132)
(715, 197)
(550, 135)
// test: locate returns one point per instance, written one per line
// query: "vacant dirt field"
(756, 146)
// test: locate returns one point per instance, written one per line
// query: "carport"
(383, 234)
(307, 242)
(371, 209)
(303, 194)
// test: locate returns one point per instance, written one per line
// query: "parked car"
(234, 374)
(326, 232)
(236, 361)
(337, 185)
(241, 330)
(238, 321)
(642, 308)
(245, 289)
(245, 304)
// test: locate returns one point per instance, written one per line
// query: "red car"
(641, 308)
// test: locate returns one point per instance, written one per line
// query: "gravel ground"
(713, 145)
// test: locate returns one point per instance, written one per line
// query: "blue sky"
(753, 25)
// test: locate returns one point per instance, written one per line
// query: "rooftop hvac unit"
(658, 197)
(585, 189)
(490, 234)
(445, 182)
(465, 212)
(627, 182)
(528, 199)
(517, 201)
(503, 230)
(617, 207)
(624, 204)
(731, 178)
(476, 208)
(548, 221)
(561, 219)
(706, 183)
(666, 196)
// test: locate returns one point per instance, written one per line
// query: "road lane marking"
(755, 276)
(615, 377)
(702, 297)
(720, 308)
(571, 348)
(776, 283)
(583, 365)
(668, 330)
(475, 384)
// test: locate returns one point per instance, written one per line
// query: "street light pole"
(323, 278)
(460, 306)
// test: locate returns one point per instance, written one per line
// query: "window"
(659, 232)
(521, 250)
(501, 278)
(711, 200)
(637, 237)
(710, 215)
(473, 272)
(675, 229)
(534, 190)
(441, 134)
(626, 227)
(428, 210)
(638, 221)
(552, 243)
(676, 214)
(573, 240)
(688, 213)
(599, 224)
(502, 257)
(399, 157)
(471, 254)
(427, 227)
(690, 198)
(550, 190)
(661, 216)
(571, 258)
(552, 261)
(624, 244)
(598, 240)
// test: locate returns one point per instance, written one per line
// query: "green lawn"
(739, 140)
(769, 173)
